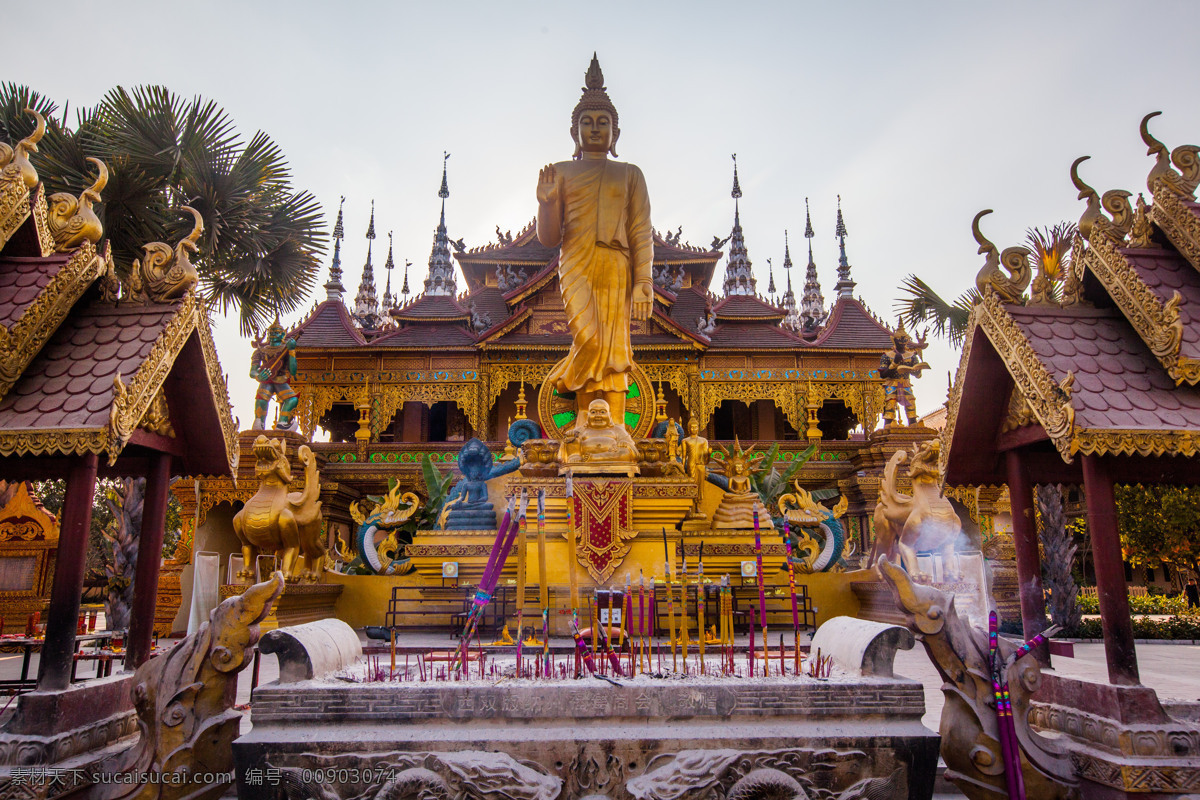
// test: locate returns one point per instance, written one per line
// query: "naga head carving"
(72, 220)
(167, 273)
(234, 624)
(925, 606)
(1007, 274)
(271, 463)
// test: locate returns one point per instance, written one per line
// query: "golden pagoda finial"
(15, 160)
(521, 403)
(1008, 273)
(72, 220)
(660, 405)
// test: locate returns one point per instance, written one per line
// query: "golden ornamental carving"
(1141, 232)
(499, 376)
(390, 398)
(1178, 221)
(65, 441)
(1092, 213)
(674, 375)
(158, 416)
(14, 209)
(166, 272)
(781, 393)
(1182, 183)
(1049, 400)
(15, 166)
(1134, 442)
(72, 220)
(23, 519)
(1019, 414)
(20, 343)
(1159, 324)
(1007, 274)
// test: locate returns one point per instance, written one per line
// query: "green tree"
(263, 239)
(1159, 525)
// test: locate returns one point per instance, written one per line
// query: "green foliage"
(1159, 524)
(1174, 629)
(262, 240)
(1150, 604)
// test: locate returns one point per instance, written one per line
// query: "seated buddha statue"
(598, 441)
(737, 507)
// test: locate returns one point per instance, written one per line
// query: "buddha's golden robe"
(607, 248)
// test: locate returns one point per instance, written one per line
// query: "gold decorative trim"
(1177, 221)
(20, 343)
(14, 209)
(67, 441)
(41, 222)
(1049, 400)
(220, 390)
(1135, 442)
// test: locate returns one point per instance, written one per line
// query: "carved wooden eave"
(134, 397)
(1051, 405)
(29, 332)
(534, 285)
(1158, 323)
(23, 520)
(1178, 220)
(495, 336)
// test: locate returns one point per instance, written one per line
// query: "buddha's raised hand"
(547, 189)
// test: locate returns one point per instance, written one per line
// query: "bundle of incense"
(594, 611)
(750, 650)
(700, 604)
(543, 587)
(795, 608)
(572, 554)
(1010, 752)
(762, 594)
(670, 601)
(522, 539)
(723, 599)
(683, 615)
(505, 536)
(642, 623)
(581, 648)
(626, 614)
(606, 646)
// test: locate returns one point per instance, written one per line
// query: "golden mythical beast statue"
(274, 520)
(925, 521)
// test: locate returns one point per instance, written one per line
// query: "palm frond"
(15, 124)
(923, 305)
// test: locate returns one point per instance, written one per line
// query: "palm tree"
(262, 242)
(920, 304)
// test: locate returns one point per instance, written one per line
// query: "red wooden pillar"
(1110, 574)
(145, 581)
(1029, 561)
(62, 619)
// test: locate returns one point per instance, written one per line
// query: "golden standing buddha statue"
(598, 210)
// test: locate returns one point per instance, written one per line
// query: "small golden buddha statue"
(696, 453)
(740, 501)
(599, 442)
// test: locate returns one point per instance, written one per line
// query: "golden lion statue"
(274, 520)
(924, 521)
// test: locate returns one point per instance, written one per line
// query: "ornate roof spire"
(739, 278)
(404, 289)
(812, 307)
(389, 302)
(791, 319)
(771, 280)
(441, 280)
(366, 304)
(844, 286)
(334, 288)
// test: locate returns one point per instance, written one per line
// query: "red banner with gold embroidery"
(602, 511)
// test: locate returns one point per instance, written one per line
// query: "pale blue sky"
(919, 114)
